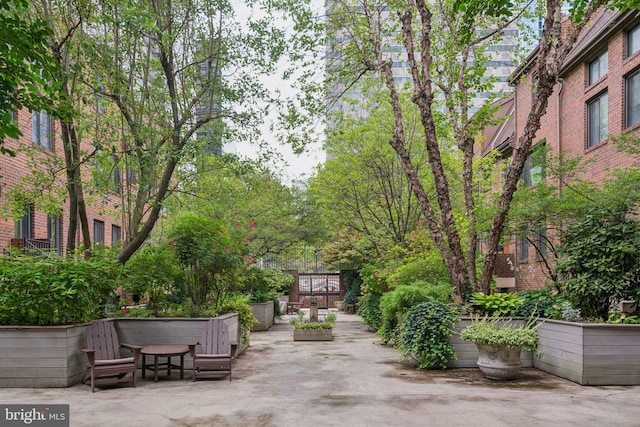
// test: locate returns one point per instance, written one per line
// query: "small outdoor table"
(163, 351)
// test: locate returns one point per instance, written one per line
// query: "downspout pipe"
(559, 128)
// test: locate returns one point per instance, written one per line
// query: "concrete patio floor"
(350, 381)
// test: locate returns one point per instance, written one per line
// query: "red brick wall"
(13, 169)
(564, 128)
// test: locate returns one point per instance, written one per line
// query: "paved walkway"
(350, 381)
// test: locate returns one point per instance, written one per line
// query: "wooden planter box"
(590, 354)
(313, 334)
(41, 356)
(264, 313)
(585, 353)
(50, 356)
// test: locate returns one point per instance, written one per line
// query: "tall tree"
(235, 191)
(361, 189)
(176, 70)
(446, 56)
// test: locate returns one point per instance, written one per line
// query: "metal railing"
(38, 247)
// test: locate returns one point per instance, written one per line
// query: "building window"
(597, 120)
(524, 248)
(117, 179)
(42, 129)
(542, 242)
(632, 99)
(535, 166)
(131, 175)
(24, 226)
(98, 232)
(116, 233)
(54, 232)
(598, 67)
(633, 40)
(535, 87)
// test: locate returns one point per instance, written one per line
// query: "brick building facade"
(597, 97)
(41, 136)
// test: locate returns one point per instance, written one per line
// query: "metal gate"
(324, 286)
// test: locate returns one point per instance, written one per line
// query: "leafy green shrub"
(600, 254)
(540, 303)
(395, 304)
(427, 268)
(353, 282)
(240, 304)
(211, 256)
(265, 284)
(369, 310)
(165, 277)
(501, 304)
(425, 334)
(56, 291)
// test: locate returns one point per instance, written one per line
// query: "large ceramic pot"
(499, 363)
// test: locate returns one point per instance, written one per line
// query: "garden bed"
(313, 334)
(585, 353)
(590, 354)
(264, 313)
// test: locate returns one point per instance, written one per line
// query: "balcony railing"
(38, 247)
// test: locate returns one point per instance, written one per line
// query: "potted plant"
(499, 344)
(305, 330)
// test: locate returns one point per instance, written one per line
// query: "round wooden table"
(164, 350)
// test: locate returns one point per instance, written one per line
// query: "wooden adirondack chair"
(216, 351)
(294, 307)
(106, 365)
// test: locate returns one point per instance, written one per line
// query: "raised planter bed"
(264, 313)
(313, 334)
(50, 356)
(41, 356)
(590, 354)
(585, 353)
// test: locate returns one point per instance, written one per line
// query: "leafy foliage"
(425, 333)
(299, 322)
(353, 283)
(166, 276)
(211, 257)
(395, 304)
(600, 260)
(369, 310)
(26, 67)
(424, 267)
(265, 284)
(498, 332)
(540, 303)
(500, 304)
(55, 291)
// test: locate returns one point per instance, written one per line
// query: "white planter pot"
(499, 363)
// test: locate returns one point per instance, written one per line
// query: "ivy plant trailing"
(425, 334)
